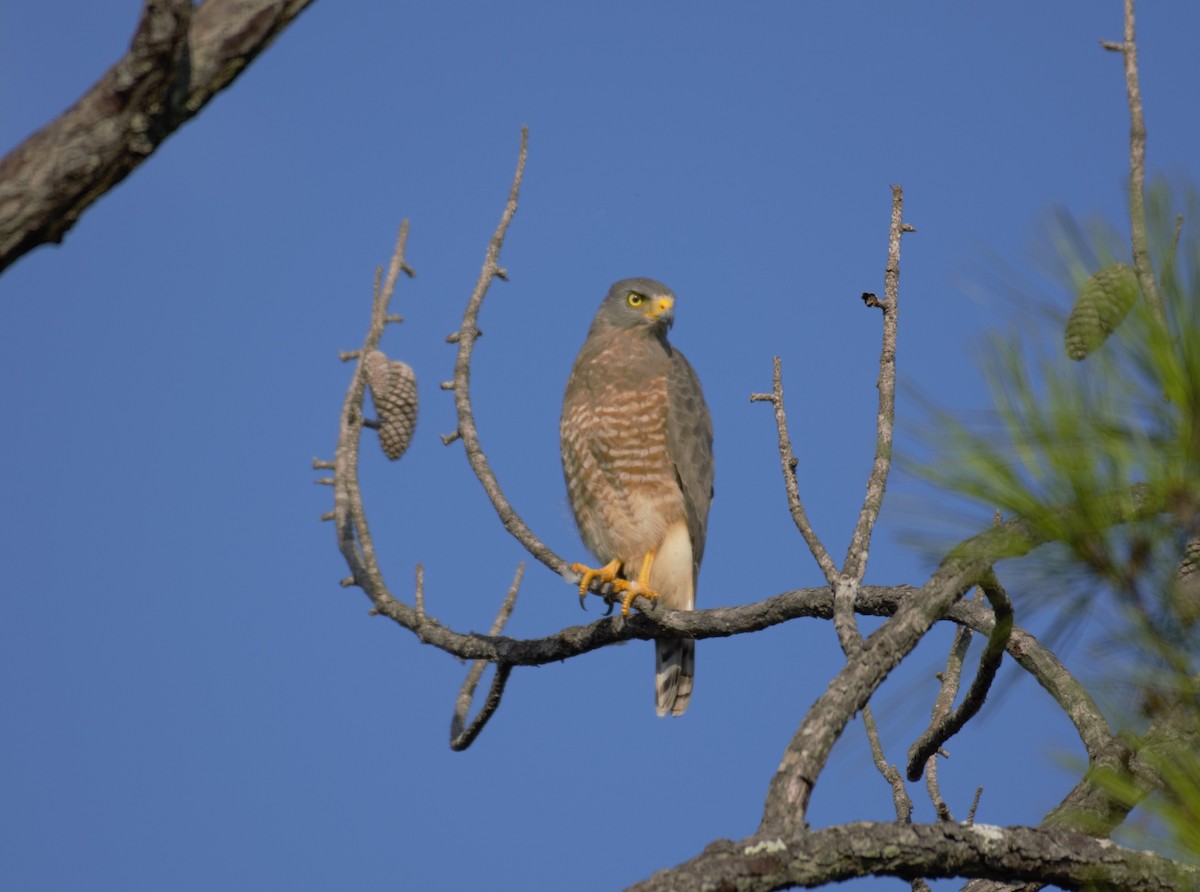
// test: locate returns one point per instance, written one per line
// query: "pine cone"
(1103, 301)
(394, 389)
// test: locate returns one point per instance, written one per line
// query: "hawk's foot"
(640, 586)
(633, 590)
(606, 574)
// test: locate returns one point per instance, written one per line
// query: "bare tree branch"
(855, 564)
(900, 798)
(1070, 860)
(354, 535)
(947, 691)
(465, 337)
(788, 461)
(965, 566)
(989, 663)
(850, 690)
(1137, 167)
(460, 737)
(854, 567)
(178, 60)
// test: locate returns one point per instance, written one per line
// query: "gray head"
(637, 304)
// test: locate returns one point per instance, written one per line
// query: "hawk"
(636, 442)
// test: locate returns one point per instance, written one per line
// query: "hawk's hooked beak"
(662, 310)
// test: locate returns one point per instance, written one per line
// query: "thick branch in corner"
(179, 59)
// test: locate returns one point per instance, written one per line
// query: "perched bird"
(637, 456)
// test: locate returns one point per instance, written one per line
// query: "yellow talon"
(631, 592)
(641, 587)
(606, 574)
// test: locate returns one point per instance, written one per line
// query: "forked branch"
(462, 735)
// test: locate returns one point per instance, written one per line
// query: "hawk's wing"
(689, 441)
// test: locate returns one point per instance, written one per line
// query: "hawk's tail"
(674, 668)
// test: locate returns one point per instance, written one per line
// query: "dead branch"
(1070, 860)
(788, 461)
(947, 691)
(465, 338)
(855, 564)
(900, 798)
(942, 730)
(350, 520)
(178, 60)
(965, 566)
(460, 737)
(1137, 166)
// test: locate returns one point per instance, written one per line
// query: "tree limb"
(465, 337)
(947, 691)
(855, 564)
(178, 60)
(1070, 860)
(1137, 167)
(788, 462)
(462, 735)
(945, 727)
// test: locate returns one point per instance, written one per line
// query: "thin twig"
(460, 737)
(947, 691)
(855, 565)
(900, 798)
(974, 806)
(941, 730)
(788, 462)
(1137, 167)
(466, 336)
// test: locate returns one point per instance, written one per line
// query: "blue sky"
(191, 701)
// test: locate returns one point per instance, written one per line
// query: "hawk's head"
(638, 304)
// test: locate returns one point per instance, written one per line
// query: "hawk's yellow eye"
(635, 299)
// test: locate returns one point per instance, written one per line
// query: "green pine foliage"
(1098, 448)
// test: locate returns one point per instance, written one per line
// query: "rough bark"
(1069, 860)
(178, 60)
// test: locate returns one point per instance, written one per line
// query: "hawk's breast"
(620, 478)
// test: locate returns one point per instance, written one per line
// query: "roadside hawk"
(637, 455)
